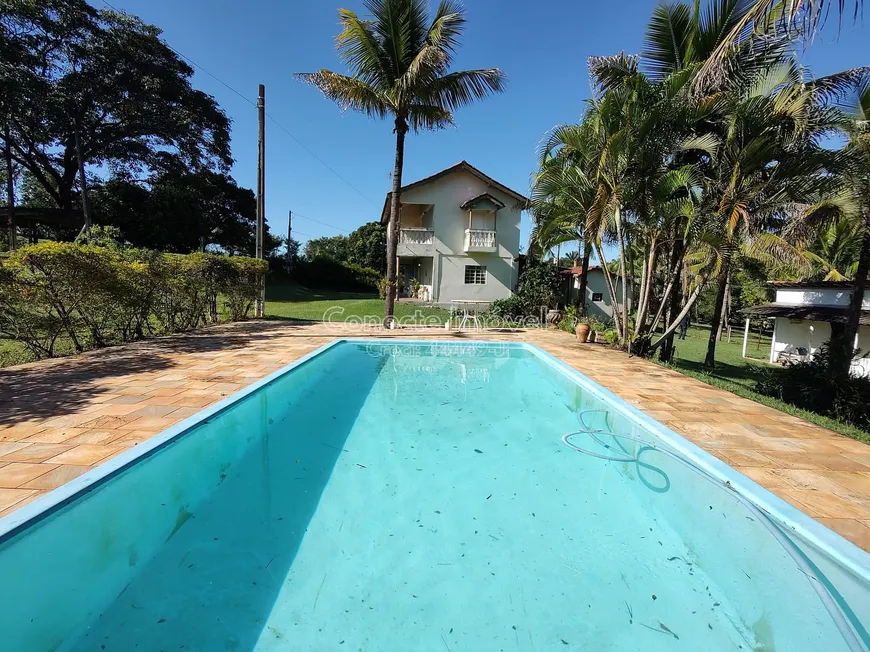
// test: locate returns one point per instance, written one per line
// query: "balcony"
(480, 241)
(416, 236)
(415, 241)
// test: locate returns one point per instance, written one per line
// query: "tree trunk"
(676, 321)
(10, 192)
(671, 299)
(710, 360)
(842, 348)
(610, 289)
(584, 280)
(624, 337)
(86, 207)
(393, 226)
(726, 309)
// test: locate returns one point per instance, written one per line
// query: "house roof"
(811, 313)
(485, 197)
(577, 271)
(463, 166)
(810, 284)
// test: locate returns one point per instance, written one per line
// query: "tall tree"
(400, 61)
(108, 79)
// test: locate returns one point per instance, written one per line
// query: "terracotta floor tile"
(119, 409)
(85, 454)
(34, 494)
(36, 452)
(55, 435)
(9, 447)
(856, 531)
(154, 411)
(126, 399)
(15, 474)
(10, 497)
(55, 478)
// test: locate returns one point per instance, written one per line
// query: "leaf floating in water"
(654, 597)
(564, 642)
(668, 630)
(489, 496)
(477, 450)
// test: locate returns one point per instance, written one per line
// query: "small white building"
(598, 302)
(803, 314)
(459, 236)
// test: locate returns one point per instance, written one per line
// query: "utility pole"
(261, 193)
(86, 207)
(289, 238)
(10, 191)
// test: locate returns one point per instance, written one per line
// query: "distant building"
(803, 314)
(459, 236)
(598, 302)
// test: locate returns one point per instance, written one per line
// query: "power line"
(269, 115)
(311, 219)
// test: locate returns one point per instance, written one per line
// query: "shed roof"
(811, 313)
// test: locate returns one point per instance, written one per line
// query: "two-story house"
(805, 314)
(459, 236)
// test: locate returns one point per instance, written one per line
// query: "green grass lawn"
(738, 375)
(296, 302)
(730, 365)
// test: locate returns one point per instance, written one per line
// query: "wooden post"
(261, 193)
(289, 238)
(86, 207)
(10, 192)
(745, 337)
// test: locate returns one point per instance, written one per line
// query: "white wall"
(596, 283)
(818, 297)
(449, 222)
(789, 335)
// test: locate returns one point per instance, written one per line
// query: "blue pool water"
(421, 497)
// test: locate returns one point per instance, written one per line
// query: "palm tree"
(399, 62)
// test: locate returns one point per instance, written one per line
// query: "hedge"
(94, 296)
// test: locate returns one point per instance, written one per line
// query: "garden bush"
(323, 273)
(95, 295)
(812, 386)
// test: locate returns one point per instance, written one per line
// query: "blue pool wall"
(730, 544)
(62, 567)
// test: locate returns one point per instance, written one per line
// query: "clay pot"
(582, 332)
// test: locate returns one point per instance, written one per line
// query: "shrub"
(611, 336)
(97, 295)
(570, 320)
(513, 307)
(329, 274)
(812, 386)
(539, 286)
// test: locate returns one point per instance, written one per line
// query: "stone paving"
(60, 418)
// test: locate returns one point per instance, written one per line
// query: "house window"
(475, 274)
(597, 297)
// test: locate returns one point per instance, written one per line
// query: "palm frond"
(348, 92)
(667, 39)
(457, 89)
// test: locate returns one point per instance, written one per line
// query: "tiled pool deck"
(60, 418)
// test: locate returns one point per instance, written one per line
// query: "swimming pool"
(424, 496)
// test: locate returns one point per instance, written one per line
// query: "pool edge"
(56, 499)
(840, 549)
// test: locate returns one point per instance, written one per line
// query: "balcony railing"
(416, 236)
(479, 240)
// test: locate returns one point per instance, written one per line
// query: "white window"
(475, 274)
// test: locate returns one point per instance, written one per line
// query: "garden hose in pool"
(853, 632)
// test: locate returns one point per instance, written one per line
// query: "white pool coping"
(840, 550)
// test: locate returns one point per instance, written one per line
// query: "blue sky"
(541, 46)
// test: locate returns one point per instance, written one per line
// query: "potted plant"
(582, 330)
(596, 327)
